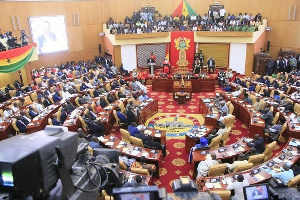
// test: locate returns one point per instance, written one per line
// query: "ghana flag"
(183, 9)
(15, 59)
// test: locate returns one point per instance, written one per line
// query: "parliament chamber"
(174, 99)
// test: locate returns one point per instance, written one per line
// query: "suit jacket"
(213, 62)
(133, 130)
(63, 116)
(92, 115)
(56, 98)
(122, 117)
(96, 93)
(258, 144)
(46, 103)
(289, 107)
(24, 120)
(21, 126)
(32, 114)
(268, 117)
(103, 103)
(55, 122)
(151, 144)
(130, 117)
(70, 108)
(97, 129)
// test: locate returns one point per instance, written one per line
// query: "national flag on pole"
(183, 9)
(167, 52)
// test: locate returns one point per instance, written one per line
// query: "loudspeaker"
(99, 48)
(268, 46)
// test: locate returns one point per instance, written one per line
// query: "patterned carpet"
(175, 164)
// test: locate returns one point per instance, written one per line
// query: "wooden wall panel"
(249, 60)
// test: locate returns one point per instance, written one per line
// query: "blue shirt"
(143, 98)
(94, 145)
(285, 176)
(133, 130)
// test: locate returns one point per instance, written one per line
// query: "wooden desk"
(191, 141)
(132, 152)
(231, 151)
(129, 174)
(198, 85)
(247, 114)
(178, 88)
(147, 111)
(262, 176)
(212, 113)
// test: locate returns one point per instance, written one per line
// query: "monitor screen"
(256, 192)
(49, 32)
(6, 176)
(135, 196)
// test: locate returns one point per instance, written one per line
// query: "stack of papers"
(109, 143)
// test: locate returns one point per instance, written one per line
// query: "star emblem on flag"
(8, 60)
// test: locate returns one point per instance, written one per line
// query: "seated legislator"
(24, 117)
(7, 112)
(211, 65)
(237, 92)
(103, 103)
(143, 165)
(131, 117)
(203, 167)
(273, 131)
(97, 128)
(135, 100)
(221, 77)
(94, 143)
(267, 116)
(56, 97)
(223, 108)
(238, 187)
(247, 98)
(258, 143)
(211, 136)
(284, 174)
(64, 113)
(222, 130)
(196, 69)
(258, 105)
(31, 112)
(21, 125)
(98, 108)
(65, 94)
(202, 143)
(55, 121)
(15, 107)
(91, 114)
(137, 181)
(121, 116)
(46, 102)
(136, 86)
(143, 97)
(241, 160)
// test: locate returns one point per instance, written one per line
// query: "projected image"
(6, 176)
(49, 33)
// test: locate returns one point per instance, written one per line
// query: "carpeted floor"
(175, 164)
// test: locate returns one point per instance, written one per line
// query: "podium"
(186, 89)
(151, 68)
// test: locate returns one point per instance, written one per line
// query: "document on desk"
(217, 185)
(146, 154)
(259, 177)
(240, 149)
(109, 143)
(209, 185)
(294, 143)
(135, 152)
(125, 150)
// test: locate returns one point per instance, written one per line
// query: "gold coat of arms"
(182, 44)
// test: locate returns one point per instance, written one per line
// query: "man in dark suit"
(21, 125)
(289, 107)
(56, 97)
(131, 117)
(142, 136)
(268, 117)
(97, 128)
(19, 92)
(258, 143)
(96, 92)
(92, 115)
(69, 106)
(132, 129)
(24, 118)
(64, 114)
(46, 102)
(32, 113)
(121, 116)
(55, 122)
(103, 103)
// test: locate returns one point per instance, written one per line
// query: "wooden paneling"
(249, 59)
(139, 36)
(219, 52)
(8, 78)
(117, 59)
(224, 34)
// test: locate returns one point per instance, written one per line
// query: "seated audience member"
(131, 117)
(222, 130)
(55, 121)
(64, 113)
(91, 114)
(273, 131)
(94, 143)
(135, 100)
(110, 98)
(81, 134)
(250, 152)
(238, 187)
(266, 93)
(103, 103)
(223, 108)
(223, 116)
(69, 107)
(114, 85)
(258, 143)
(151, 144)
(258, 105)
(137, 181)
(24, 117)
(296, 94)
(260, 79)
(247, 98)
(203, 166)
(7, 113)
(143, 97)
(202, 143)
(267, 116)
(132, 129)
(284, 88)
(31, 112)
(96, 92)
(211, 136)
(44, 83)
(56, 97)
(137, 86)
(97, 128)
(221, 77)
(289, 107)
(46, 102)
(284, 174)
(237, 92)
(275, 84)
(21, 125)
(65, 94)
(8, 88)
(251, 88)
(98, 108)
(227, 88)
(19, 92)
(121, 116)
(127, 91)
(143, 165)
(83, 87)
(241, 160)
(15, 107)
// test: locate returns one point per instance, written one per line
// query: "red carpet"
(175, 164)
